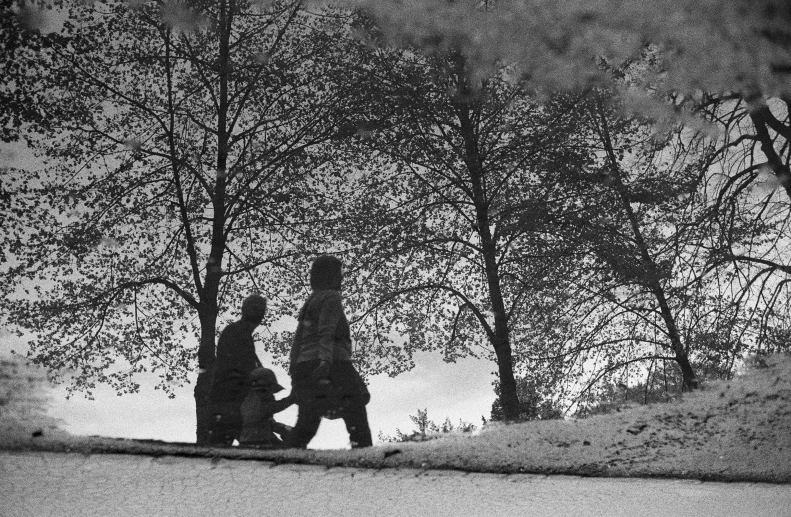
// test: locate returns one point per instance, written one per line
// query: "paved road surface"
(61, 485)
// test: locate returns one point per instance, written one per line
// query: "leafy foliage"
(179, 143)
(446, 227)
(542, 184)
(714, 45)
(738, 48)
(426, 429)
(535, 399)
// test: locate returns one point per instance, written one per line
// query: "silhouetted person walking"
(236, 358)
(323, 377)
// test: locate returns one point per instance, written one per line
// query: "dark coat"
(323, 330)
(236, 358)
(258, 410)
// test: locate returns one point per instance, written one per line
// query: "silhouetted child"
(258, 410)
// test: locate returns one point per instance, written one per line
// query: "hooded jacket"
(323, 330)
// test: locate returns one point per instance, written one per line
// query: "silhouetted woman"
(323, 377)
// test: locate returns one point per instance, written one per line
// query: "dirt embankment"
(738, 430)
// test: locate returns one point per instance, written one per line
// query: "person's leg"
(356, 419)
(311, 402)
(219, 434)
(308, 420)
(226, 424)
(350, 390)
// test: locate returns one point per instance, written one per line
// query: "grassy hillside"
(734, 430)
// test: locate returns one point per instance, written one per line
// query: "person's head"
(264, 378)
(326, 272)
(254, 308)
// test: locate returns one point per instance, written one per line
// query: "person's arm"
(223, 343)
(329, 317)
(296, 344)
(236, 351)
(276, 406)
(228, 348)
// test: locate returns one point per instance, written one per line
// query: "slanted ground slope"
(738, 430)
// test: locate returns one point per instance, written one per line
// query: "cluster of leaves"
(713, 45)
(493, 190)
(606, 257)
(178, 150)
(538, 397)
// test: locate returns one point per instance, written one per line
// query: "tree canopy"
(720, 47)
(450, 221)
(179, 144)
(579, 191)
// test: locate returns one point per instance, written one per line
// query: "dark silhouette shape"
(323, 378)
(236, 358)
(258, 410)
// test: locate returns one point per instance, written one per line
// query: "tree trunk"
(206, 360)
(211, 286)
(207, 353)
(202, 405)
(501, 341)
(649, 265)
(509, 399)
(761, 115)
(690, 380)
